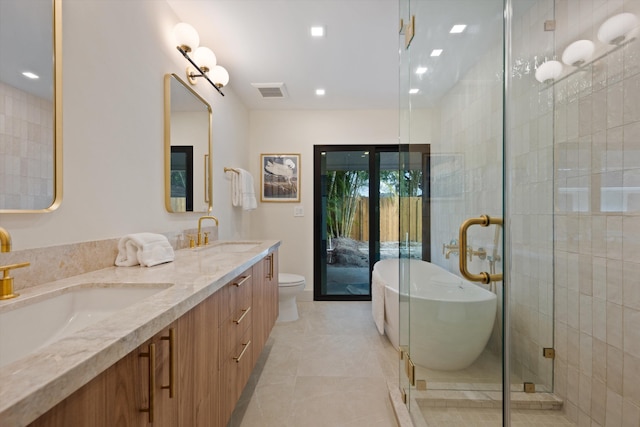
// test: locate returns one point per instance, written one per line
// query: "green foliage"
(343, 189)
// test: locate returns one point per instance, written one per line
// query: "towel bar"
(231, 170)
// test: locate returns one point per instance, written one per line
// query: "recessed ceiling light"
(421, 70)
(317, 31)
(414, 91)
(436, 52)
(458, 28)
(320, 92)
(30, 75)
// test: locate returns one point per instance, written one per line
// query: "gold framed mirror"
(30, 105)
(187, 145)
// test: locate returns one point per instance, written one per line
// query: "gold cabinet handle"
(151, 355)
(242, 281)
(244, 350)
(245, 312)
(483, 277)
(270, 273)
(172, 362)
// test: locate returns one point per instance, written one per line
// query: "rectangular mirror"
(30, 105)
(187, 141)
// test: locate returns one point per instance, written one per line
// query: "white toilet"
(289, 285)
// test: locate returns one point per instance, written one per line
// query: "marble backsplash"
(58, 262)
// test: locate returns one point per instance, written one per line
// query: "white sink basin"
(229, 247)
(30, 324)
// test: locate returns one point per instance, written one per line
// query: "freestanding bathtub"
(450, 319)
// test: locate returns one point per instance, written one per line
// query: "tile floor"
(330, 368)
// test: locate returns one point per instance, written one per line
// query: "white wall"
(297, 132)
(115, 55)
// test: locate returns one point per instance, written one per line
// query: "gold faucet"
(6, 283)
(206, 235)
(5, 239)
(451, 248)
(480, 253)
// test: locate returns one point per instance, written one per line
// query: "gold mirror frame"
(208, 185)
(57, 114)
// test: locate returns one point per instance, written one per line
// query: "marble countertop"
(34, 384)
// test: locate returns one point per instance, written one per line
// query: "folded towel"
(146, 249)
(242, 190)
(377, 301)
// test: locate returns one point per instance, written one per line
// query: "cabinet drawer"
(236, 295)
(234, 327)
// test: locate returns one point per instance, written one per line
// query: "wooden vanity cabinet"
(236, 362)
(215, 346)
(265, 301)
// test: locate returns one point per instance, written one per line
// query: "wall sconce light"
(203, 61)
(220, 76)
(549, 71)
(617, 29)
(578, 52)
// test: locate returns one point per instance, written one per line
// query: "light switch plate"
(298, 211)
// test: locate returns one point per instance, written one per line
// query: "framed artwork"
(280, 177)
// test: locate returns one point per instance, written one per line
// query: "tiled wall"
(597, 224)
(529, 154)
(26, 150)
(471, 128)
(467, 167)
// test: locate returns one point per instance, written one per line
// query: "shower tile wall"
(597, 229)
(26, 132)
(471, 123)
(469, 169)
(529, 116)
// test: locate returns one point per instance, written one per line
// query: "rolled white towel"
(146, 249)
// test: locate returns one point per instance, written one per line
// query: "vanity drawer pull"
(172, 362)
(241, 282)
(151, 355)
(245, 310)
(246, 346)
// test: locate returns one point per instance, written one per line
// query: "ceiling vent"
(271, 90)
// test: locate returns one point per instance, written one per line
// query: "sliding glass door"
(357, 208)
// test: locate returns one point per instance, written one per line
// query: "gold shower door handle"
(483, 277)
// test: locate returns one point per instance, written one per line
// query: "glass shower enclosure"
(468, 90)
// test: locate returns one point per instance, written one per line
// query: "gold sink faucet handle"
(6, 283)
(206, 237)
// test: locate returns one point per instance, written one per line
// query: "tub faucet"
(6, 283)
(451, 248)
(206, 235)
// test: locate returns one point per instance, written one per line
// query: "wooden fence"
(390, 219)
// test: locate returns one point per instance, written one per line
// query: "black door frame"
(320, 244)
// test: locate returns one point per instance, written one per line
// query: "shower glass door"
(453, 100)
(468, 90)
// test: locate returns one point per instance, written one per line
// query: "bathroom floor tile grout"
(330, 368)
(327, 369)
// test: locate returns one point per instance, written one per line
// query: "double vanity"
(168, 345)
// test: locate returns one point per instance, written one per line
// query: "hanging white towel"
(248, 193)
(377, 301)
(242, 190)
(236, 193)
(146, 249)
